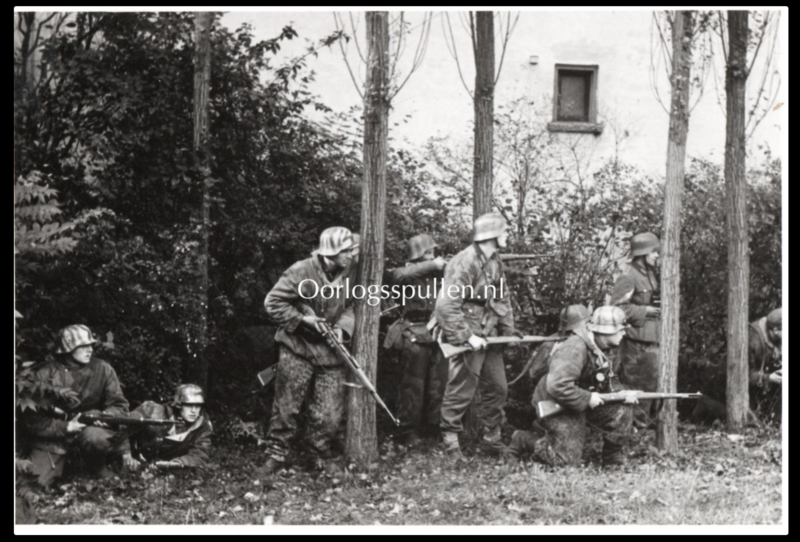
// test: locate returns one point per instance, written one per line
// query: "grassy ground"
(713, 480)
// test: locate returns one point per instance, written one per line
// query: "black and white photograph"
(409, 270)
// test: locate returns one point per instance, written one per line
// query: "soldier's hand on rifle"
(97, 414)
(130, 463)
(776, 378)
(440, 262)
(477, 343)
(595, 400)
(313, 321)
(74, 426)
(652, 312)
(630, 397)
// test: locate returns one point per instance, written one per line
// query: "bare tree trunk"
(736, 219)
(202, 77)
(484, 113)
(362, 441)
(667, 428)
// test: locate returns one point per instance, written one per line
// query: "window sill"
(579, 127)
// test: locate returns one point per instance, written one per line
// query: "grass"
(714, 480)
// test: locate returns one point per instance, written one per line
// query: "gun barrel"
(123, 420)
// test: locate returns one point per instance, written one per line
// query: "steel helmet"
(189, 394)
(774, 319)
(334, 240)
(71, 337)
(607, 320)
(644, 243)
(419, 245)
(489, 226)
(573, 317)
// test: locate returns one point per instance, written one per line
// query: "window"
(575, 100)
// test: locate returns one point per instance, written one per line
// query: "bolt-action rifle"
(546, 409)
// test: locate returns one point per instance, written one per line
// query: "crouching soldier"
(572, 382)
(424, 367)
(310, 293)
(54, 433)
(473, 304)
(186, 444)
(766, 375)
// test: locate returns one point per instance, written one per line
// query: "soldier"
(310, 291)
(766, 375)
(95, 390)
(473, 304)
(572, 383)
(424, 367)
(570, 319)
(638, 294)
(183, 445)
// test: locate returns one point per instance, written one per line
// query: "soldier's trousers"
(564, 435)
(296, 381)
(639, 366)
(89, 449)
(422, 385)
(466, 372)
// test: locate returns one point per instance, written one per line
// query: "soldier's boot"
(451, 447)
(522, 442)
(492, 444)
(272, 466)
(613, 455)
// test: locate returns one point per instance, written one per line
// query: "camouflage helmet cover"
(489, 226)
(419, 245)
(607, 320)
(334, 240)
(189, 394)
(72, 337)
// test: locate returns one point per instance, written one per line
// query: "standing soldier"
(572, 382)
(638, 294)
(310, 291)
(94, 390)
(424, 367)
(766, 375)
(472, 305)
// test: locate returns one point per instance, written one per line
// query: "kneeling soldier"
(573, 383)
(95, 390)
(185, 444)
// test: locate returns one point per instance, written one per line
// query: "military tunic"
(419, 399)
(567, 382)
(474, 299)
(305, 362)
(96, 389)
(764, 359)
(639, 350)
(188, 444)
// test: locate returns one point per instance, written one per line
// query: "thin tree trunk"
(736, 219)
(362, 441)
(667, 427)
(202, 78)
(484, 113)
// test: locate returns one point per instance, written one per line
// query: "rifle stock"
(450, 350)
(352, 362)
(546, 409)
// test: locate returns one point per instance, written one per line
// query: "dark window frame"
(590, 125)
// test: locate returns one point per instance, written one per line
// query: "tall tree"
(482, 25)
(362, 443)
(198, 340)
(736, 220)
(682, 30)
